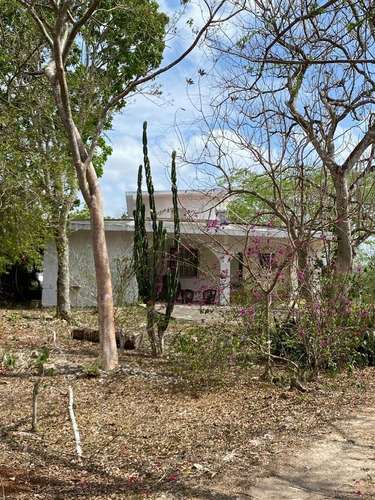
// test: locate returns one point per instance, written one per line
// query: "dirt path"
(339, 464)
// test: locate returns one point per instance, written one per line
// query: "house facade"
(216, 257)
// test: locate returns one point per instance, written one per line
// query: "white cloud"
(120, 172)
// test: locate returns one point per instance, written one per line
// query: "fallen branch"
(126, 341)
(74, 424)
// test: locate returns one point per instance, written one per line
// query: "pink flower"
(172, 477)
(359, 492)
(84, 484)
(133, 479)
(300, 275)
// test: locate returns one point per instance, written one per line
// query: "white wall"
(82, 269)
(49, 291)
(195, 205)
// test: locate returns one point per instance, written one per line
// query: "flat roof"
(193, 227)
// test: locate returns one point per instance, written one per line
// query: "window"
(188, 260)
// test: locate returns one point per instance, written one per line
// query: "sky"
(175, 107)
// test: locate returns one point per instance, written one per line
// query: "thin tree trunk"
(151, 324)
(306, 286)
(107, 333)
(63, 275)
(267, 374)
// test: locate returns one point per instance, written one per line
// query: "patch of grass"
(8, 359)
(92, 370)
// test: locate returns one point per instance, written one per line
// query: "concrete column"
(224, 288)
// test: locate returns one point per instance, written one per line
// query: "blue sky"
(120, 172)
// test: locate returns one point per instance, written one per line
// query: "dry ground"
(147, 433)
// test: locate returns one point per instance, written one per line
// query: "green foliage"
(209, 347)
(362, 281)
(124, 39)
(21, 223)
(328, 335)
(275, 195)
(318, 334)
(80, 213)
(43, 356)
(8, 359)
(41, 360)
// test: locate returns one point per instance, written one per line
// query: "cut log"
(128, 341)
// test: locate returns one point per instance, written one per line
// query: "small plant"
(14, 317)
(41, 359)
(49, 369)
(43, 356)
(9, 359)
(91, 370)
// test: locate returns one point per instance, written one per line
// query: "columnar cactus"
(152, 262)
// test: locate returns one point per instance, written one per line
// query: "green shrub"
(209, 347)
(328, 335)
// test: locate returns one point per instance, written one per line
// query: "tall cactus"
(152, 262)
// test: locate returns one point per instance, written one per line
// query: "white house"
(214, 253)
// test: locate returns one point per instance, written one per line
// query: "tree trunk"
(63, 276)
(106, 322)
(151, 331)
(90, 189)
(343, 263)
